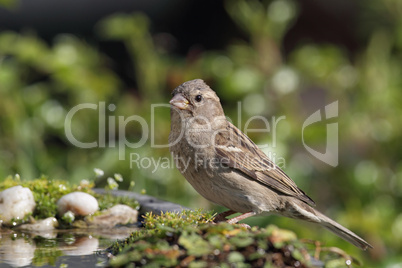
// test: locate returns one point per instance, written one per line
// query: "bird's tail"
(305, 212)
(342, 232)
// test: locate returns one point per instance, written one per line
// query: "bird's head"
(195, 99)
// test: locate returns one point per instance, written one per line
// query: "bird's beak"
(179, 101)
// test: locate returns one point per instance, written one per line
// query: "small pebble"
(42, 225)
(117, 215)
(15, 203)
(79, 203)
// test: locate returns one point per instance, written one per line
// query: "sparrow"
(227, 168)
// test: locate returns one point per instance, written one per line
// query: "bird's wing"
(237, 151)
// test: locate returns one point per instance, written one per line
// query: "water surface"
(58, 248)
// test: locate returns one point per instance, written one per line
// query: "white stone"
(42, 225)
(79, 203)
(15, 203)
(116, 215)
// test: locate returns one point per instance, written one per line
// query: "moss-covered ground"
(191, 239)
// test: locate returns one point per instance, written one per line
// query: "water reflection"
(19, 249)
(16, 252)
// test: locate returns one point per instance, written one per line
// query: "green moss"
(191, 239)
(108, 200)
(177, 220)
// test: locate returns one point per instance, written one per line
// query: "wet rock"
(79, 203)
(15, 203)
(117, 215)
(42, 225)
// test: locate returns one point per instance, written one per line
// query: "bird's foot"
(222, 216)
(241, 217)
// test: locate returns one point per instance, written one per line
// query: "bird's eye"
(198, 98)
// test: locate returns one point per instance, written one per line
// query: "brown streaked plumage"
(227, 168)
(254, 163)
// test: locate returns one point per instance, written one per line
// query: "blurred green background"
(270, 58)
